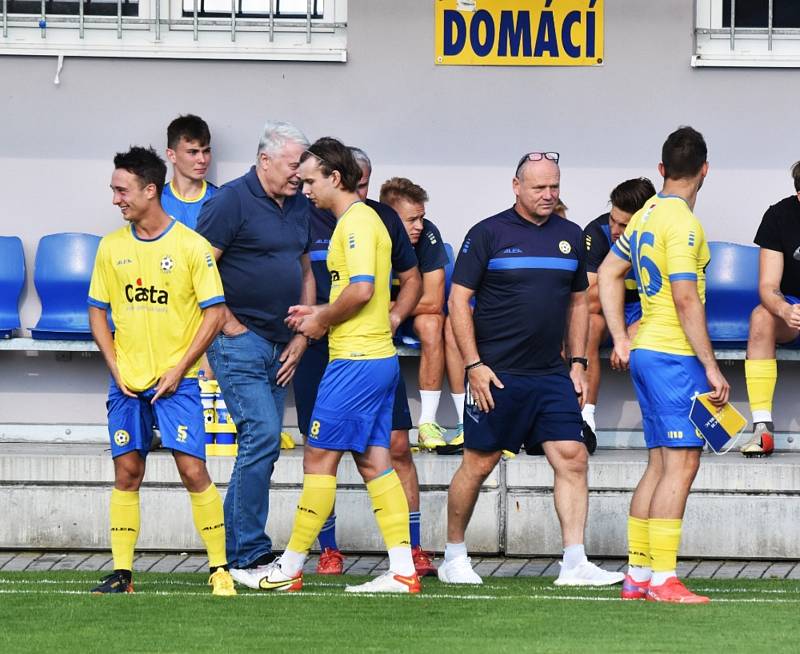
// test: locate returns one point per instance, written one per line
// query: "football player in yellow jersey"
(161, 283)
(353, 409)
(672, 360)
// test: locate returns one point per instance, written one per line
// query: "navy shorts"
(529, 410)
(179, 418)
(353, 410)
(665, 386)
(308, 376)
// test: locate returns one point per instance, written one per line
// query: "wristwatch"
(582, 360)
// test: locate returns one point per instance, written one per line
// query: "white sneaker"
(276, 579)
(458, 571)
(388, 582)
(588, 574)
(249, 576)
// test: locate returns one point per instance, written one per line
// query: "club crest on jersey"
(142, 293)
(565, 247)
(167, 264)
(121, 437)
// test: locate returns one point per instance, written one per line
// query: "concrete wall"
(456, 130)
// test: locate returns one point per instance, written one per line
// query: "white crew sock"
(762, 415)
(639, 574)
(659, 578)
(400, 561)
(430, 404)
(292, 562)
(458, 400)
(574, 555)
(588, 415)
(454, 550)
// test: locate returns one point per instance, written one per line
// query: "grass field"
(52, 612)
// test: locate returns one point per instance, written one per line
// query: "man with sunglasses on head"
(525, 267)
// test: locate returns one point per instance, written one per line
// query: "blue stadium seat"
(12, 279)
(62, 274)
(731, 292)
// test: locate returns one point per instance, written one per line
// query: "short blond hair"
(401, 187)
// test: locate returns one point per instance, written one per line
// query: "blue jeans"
(246, 366)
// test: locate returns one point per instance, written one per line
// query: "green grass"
(52, 612)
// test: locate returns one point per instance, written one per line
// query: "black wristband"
(582, 360)
(473, 365)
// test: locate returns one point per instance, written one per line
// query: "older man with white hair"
(258, 226)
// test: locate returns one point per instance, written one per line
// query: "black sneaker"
(118, 581)
(589, 438)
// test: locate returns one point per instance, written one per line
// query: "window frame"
(755, 47)
(175, 36)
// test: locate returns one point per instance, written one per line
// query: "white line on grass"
(492, 598)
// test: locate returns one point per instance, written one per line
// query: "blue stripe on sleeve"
(217, 299)
(318, 255)
(97, 303)
(626, 256)
(549, 263)
(683, 277)
(363, 278)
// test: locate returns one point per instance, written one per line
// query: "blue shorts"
(530, 410)
(633, 313)
(665, 385)
(306, 382)
(178, 417)
(354, 405)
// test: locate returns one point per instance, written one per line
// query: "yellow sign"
(519, 32)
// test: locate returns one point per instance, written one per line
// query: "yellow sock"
(761, 376)
(665, 539)
(638, 542)
(313, 509)
(124, 514)
(209, 520)
(391, 509)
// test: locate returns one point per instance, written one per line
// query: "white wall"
(456, 130)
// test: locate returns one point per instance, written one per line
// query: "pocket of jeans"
(235, 336)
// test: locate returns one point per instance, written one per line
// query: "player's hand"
(394, 322)
(621, 354)
(168, 383)
(290, 357)
(296, 314)
(791, 315)
(120, 384)
(578, 376)
(480, 387)
(720, 389)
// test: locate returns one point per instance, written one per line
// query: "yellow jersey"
(361, 251)
(665, 243)
(156, 290)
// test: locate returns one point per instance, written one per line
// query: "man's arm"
(98, 323)
(407, 297)
(692, 316)
(481, 377)
(295, 348)
(770, 272)
(314, 321)
(209, 328)
(231, 326)
(577, 335)
(593, 294)
(611, 290)
(432, 300)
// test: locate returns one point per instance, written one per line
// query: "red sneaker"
(331, 562)
(634, 590)
(673, 591)
(422, 562)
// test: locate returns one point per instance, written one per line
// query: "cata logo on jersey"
(149, 294)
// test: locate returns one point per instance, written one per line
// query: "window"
(764, 33)
(312, 30)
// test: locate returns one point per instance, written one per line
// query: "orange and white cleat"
(331, 562)
(276, 579)
(674, 592)
(763, 441)
(388, 582)
(422, 562)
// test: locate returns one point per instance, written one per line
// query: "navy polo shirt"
(429, 252)
(323, 223)
(523, 276)
(262, 243)
(597, 242)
